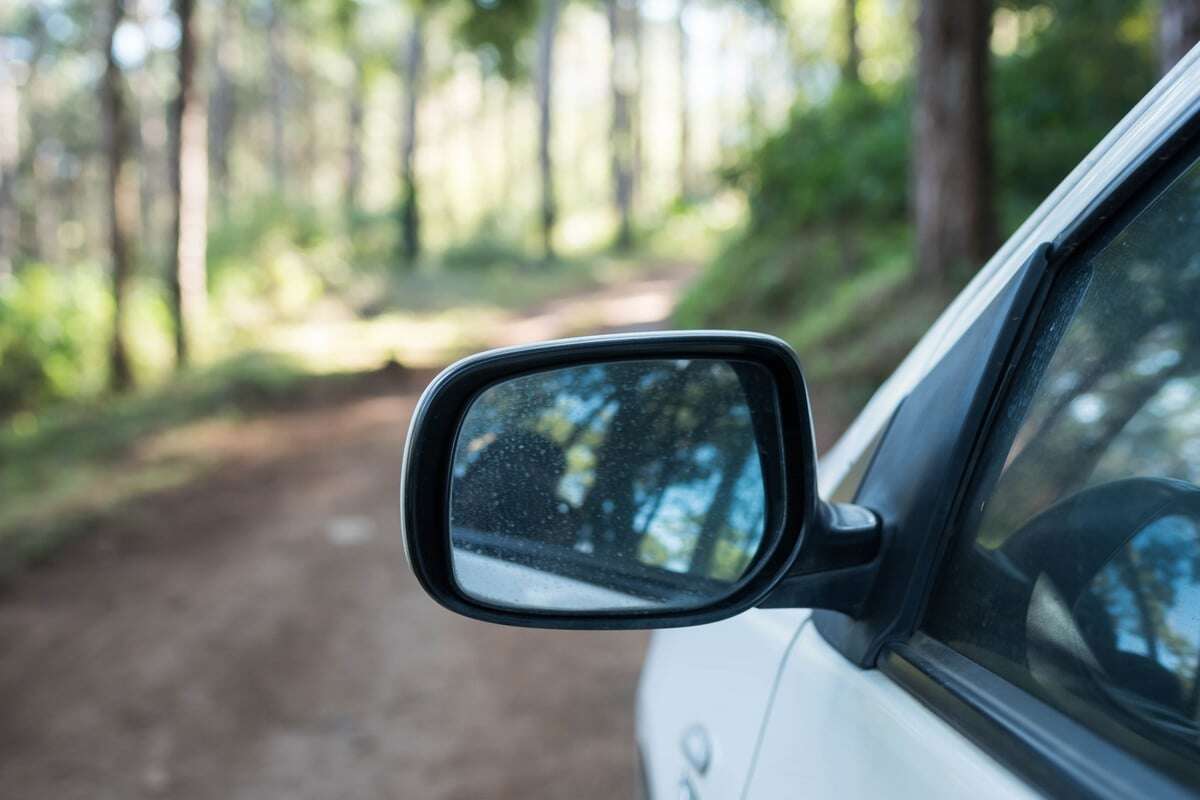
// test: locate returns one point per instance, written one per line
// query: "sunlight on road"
(417, 339)
(641, 305)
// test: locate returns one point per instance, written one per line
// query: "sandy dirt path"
(257, 634)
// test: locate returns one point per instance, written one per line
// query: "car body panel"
(834, 730)
(718, 678)
(825, 727)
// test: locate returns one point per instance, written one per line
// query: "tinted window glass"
(1078, 574)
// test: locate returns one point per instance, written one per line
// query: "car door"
(1045, 628)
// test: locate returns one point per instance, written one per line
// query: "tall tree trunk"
(116, 147)
(308, 126)
(715, 517)
(354, 136)
(952, 155)
(149, 150)
(410, 220)
(189, 190)
(637, 31)
(508, 145)
(223, 103)
(48, 199)
(10, 151)
(850, 67)
(621, 135)
(547, 32)
(1178, 30)
(277, 63)
(686, 189)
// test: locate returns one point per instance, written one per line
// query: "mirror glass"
(621, 485)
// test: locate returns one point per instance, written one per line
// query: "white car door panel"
(834, 730)
(714, 681)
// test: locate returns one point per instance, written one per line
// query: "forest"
(206, 205)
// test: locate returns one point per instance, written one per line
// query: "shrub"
(49, 347)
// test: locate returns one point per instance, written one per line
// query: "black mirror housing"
(792, 514)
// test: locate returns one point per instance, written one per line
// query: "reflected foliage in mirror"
(622, 485)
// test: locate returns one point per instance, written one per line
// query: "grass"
(58, 467)
(850, 331)
(75, 462)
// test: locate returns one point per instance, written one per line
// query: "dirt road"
(258, 635)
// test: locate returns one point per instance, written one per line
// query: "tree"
(189, 190)
(1178, 30)
(683, 46)
(277, 64)
(223, 105)
(850, 67)
(952, 155)
(346, 20)
(116, 148)
(9, 161)
(495, 33)
(414, 58)
(621, 78)
(547, 30)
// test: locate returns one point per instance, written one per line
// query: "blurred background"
(237, 237)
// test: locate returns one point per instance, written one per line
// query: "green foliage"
(824, 257)
(1063, 89)
(54, 326)
(48, 343)
(841, 162)
(827, 195)
(50, 464)
(496, 29)
(488, 250)
(272, 261)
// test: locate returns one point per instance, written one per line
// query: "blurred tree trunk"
(48, 202)
(1178, 30)
(189, 191)
(952, 154)
(637, 31)
(116, 148)
(410, 220)
(850, 67)
(621, 132)
(277, 64)
(309, 124)
(38, 211)
(223, 103)
(10, 149)
(354, 136)
(715, 517)
(686, 189)
(547, 30)
(149, 153)
(508, 145)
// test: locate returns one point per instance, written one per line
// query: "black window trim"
(1049, 749)
(1046, 747)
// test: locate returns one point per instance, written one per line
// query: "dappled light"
(238, 239)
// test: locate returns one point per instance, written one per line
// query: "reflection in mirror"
(1139, 619)
(622, 485)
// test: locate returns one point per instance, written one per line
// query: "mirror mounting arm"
(838, 562)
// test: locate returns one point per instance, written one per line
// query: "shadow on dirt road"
(258, 635)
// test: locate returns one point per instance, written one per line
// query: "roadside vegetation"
(827, 257)
(211, 208)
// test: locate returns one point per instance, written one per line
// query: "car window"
(1076, 574)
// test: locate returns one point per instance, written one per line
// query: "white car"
(991, 587)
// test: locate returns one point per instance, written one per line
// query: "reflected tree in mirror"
(613, 485)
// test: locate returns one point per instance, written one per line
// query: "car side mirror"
(628, 481)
